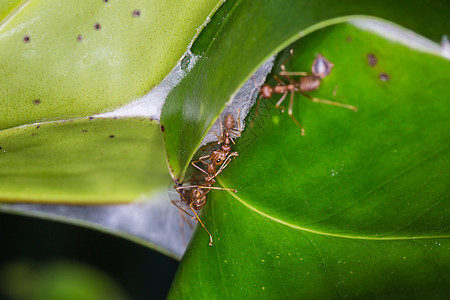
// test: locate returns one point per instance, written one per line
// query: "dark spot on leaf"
(106, 1)
(0, 148)
(37, 127)
(349, 39)
(36, 102)
(97, 26)
(384, 76)
(26, 38)
(84, 130)
(162, 128)
(80, 38)
(34, 133)
(372, 59)
(91, 118)
(112, 136)
(136, 13)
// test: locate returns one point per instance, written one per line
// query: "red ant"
(222, 155)
(309, 82)
(196, 198)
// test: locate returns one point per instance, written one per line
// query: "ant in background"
(321, 67)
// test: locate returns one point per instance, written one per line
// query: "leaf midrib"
(330, 234)
(14, 12)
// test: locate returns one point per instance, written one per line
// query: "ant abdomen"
(199, 197)
(229, 122)
(309, 83)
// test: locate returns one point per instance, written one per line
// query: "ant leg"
(329, 102)
(236, 132)
(181, 209)
(200, 159)
(203, 225)
(195, 178)
(254, 82)
(279, 80)
(286, 73)
(225, 163)
(183, 218)
(202, 187)
(291, 102)
(221, 138)
(282, 67)
(239, 119)
(196, 216)
(208, 145)
(180, 201)
(223, 166)
(187, 221)
(215, 188)
(257, 111)
(281, 101)
(185, 187)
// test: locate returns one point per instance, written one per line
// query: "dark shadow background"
(141, 272)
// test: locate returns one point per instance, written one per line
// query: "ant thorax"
(279, 89)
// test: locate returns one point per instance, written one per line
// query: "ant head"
(218, 156)
(266, 91)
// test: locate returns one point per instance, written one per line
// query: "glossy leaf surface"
(82, 161)
(244, 34)
(355, 208)
(62, 59)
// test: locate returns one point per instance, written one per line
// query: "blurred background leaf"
(82, 161)
(58, 280)
(30, 246)
(64, 59)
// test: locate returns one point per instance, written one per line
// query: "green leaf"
(243, 35)
(82, 161)
(357, 208)
(58, 279)
(62, 59)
